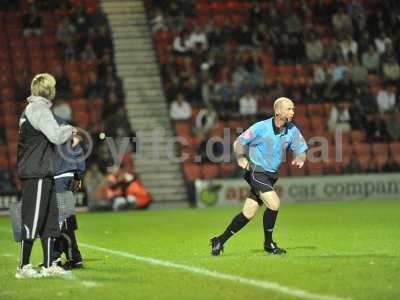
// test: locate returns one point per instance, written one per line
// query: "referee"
(260, 150)
(38, 135)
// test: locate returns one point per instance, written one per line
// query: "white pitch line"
(253, 282)
(268, 285)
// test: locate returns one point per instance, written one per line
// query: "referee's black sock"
(237, 223)
(48, 249)
(26, 249)
(269, 223)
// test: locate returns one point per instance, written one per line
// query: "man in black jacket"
(38, 135)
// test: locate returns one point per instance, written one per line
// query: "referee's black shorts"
(39, 209)
(260, 182)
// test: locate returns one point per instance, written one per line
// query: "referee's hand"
(298, 162)
(243, 163)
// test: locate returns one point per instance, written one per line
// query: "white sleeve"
(43, 120)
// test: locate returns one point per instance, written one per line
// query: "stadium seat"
(210, 171)
(182, 128)
(316, 110)
(357, 136)
(362, 149)
(318, 122)
(227, 169)
(192, 171)
(315, 168)
(295, 171)
(380, 149)
(394, 147)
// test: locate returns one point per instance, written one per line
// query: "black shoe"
(273, 248)
(216, 246)
(73, 264)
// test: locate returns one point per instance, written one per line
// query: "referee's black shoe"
(272, 248)
(216, 246)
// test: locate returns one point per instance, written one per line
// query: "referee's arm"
(299, 160)
(241, 152)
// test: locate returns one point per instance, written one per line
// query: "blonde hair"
(43, 85)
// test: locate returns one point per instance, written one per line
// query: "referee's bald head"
(280, 101)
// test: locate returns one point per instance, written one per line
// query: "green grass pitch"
(336, 250)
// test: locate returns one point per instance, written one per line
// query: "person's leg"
(272, 201)
(74, 255)
(50, 230)
(249, 210)
(30, 220)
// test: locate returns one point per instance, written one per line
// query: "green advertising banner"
(309, 188)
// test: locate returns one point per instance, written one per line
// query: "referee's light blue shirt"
(268, 144)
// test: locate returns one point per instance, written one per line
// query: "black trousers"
(39, 209)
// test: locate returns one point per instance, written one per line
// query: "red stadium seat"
(316, 110)
(357, 136)
(210, 171)
(315, 168)
(183, 128)
(228, 169)
(362, 149)
(192, 171)
(380, 149)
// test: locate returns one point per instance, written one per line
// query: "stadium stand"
(72, 42)
(331, 57)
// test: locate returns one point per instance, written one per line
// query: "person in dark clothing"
(69, 166)
(38, 133)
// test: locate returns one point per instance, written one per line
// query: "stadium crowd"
(236, 57)
(66, 38)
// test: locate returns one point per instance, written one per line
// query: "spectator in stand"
(332, 51)
(65, 32)
(292, 23)
(358, 73)
(98, 19)
(319, 76)
(63, 83)
(382, 42)
(391, 70)
(386, 98)
(197, 41)
(100, 40)
(88, 54)
(337, 70)
(376, 129)
(342, 22)
(180, 109)
(367, 99)
(216, 38)
(248, 104)
(63, 110)
(314, 48)
(157, 21)
(349, 47)
(243, 36)
(391, 165)
(93, 87)
(339, 118)
(260, 36)
(32, 22)
(371, 60)
(181, 44)
(118, 124)
(393, 126)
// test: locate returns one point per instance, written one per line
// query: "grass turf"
(346, 249)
